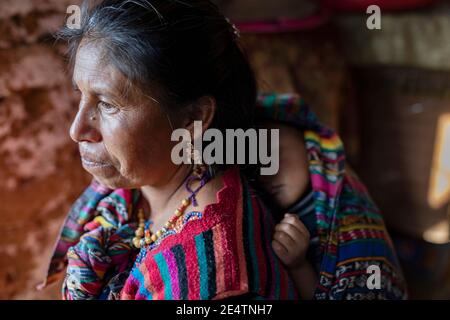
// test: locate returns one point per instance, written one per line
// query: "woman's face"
(124, 140)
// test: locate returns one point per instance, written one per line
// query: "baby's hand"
(291, 241)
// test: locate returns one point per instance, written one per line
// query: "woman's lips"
(92, 163)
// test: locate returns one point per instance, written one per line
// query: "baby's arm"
(290, 243)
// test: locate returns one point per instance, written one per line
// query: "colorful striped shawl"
(224, 252)
(351, 229)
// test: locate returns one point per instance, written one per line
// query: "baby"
(291, 192)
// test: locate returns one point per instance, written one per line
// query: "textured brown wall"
(308, 62)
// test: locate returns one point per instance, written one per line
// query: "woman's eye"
(107, 107)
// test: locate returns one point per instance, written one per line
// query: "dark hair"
(186, 49)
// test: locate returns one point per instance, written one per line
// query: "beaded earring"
(200, 173)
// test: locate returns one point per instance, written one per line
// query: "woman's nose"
(85, 126)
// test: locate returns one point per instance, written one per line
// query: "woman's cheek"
(118, 144)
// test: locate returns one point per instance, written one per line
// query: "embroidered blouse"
(222, 252)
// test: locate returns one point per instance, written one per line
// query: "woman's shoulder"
(200, 260)
(224, 254)
(221, 195)
(218, 204)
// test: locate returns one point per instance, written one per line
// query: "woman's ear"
(203, 110)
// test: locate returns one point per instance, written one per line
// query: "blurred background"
(386, 91)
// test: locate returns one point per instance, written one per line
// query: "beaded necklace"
(144, 237)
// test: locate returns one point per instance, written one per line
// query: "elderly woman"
(147, 228)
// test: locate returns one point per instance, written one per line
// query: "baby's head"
(292, 179)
